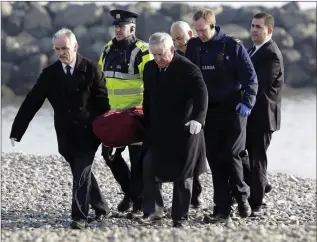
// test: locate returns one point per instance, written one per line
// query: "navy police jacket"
(227, 69)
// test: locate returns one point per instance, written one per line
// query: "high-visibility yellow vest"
(125, 88)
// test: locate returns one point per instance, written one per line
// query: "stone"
(38, 28)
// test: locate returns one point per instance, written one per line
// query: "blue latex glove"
(243, 110)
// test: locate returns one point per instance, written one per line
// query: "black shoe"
(256, 211)
(79, 224)
(102, 216)
(244, 209)
(137, 206)
(125, 204)
(180, 224)
(264, 205)
(134, 214)
(216, 218)
(195, 202)
(152, 218)
(268, 188)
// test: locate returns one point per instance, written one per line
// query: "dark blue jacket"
(180, 52)
(227, 69)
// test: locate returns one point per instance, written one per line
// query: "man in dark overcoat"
(175, 106)
(75, 87)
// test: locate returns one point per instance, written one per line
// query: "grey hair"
(161, 39)
(68, 33)
(182, 25)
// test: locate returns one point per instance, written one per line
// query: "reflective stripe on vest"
(120, 75)
(134, 53)
(105, 54)
(125, 91)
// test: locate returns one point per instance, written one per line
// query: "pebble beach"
(36, 200)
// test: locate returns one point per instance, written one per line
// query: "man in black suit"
(75, 87)
(265, 117)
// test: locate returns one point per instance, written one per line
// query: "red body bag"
(120, 128)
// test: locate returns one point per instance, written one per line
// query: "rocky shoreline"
(36, 199)
(27, 29)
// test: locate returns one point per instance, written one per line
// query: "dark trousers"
(225, 140)
(257, 143)
(197, 188)
(129, 180)
(246, 163)
(85, 187)
(152, 192)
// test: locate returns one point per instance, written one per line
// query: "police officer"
(122, 62)
(181, 34)
(232, 87)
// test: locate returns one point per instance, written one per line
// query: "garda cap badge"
(118, 16)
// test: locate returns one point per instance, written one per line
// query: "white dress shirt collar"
(72, 65)
(257, 47)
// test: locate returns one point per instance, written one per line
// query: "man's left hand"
(194, 126)
(243, 110)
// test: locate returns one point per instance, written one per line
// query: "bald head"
(181, 25)
(181, 33)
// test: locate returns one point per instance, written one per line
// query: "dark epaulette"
(234, 39)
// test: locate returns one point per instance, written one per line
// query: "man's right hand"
(13, 141)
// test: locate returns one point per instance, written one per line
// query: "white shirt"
(72, 65)
(257, 47)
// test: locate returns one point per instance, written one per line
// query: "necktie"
(252, 50)
(68, 70)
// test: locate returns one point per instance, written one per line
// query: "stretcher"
(119, 128)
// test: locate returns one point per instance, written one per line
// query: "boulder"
(99, 33)
(290, 56)
(311, 15)
(32, 24)
(13, 25)
(225, 16)
(291, 7)
(7, 94)
(19, 47)
(6, 9)
(75, 15)
(45, 45)
(80, 31)
(282, 38)
(151, 23)
(244, 15)
(297, 77)
(301, 31)
(175, 10)
(6, 68)
(236, 31)
(31, 68)
(289, 19)
(97, 48)
(55, 8)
